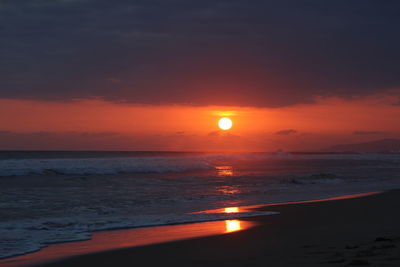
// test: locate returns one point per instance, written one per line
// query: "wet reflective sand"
(109, 240)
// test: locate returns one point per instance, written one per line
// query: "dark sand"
(351, 232)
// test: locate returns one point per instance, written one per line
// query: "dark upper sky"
(218, 52)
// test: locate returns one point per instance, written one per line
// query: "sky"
(158, 74)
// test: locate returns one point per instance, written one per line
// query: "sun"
(225, 124)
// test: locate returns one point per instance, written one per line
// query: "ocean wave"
(87, 166)
(115, 165)
(156, 164)
(317, 178)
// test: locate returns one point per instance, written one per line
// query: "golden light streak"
(231, 210)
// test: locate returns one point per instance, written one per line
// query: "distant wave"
(115, 165)
(101, 165)
(152, 164)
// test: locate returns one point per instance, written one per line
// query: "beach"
(199, 133)
(349, 232)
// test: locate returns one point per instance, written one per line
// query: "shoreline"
(286, 209)
(358, 231)
(103, 241)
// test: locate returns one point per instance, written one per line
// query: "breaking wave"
(116, 165)
(87, 166)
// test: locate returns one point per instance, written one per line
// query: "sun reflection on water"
(223, 171)
(228, 190)
(231, 210)
(232, 225)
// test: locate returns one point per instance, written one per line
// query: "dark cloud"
(223, 52)
(368, 132)
(99, 135)
(286, 132)
(214, 133)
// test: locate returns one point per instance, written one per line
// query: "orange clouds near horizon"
(149, 127)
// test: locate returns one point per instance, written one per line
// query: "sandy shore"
(349, 232)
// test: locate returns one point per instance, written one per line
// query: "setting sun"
(225, 123)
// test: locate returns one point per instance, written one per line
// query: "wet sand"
(350, 232)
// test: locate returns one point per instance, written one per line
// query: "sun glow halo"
(225, 124)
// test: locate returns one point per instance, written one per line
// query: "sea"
(49, 197)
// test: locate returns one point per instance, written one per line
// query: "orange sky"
(125, 126)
